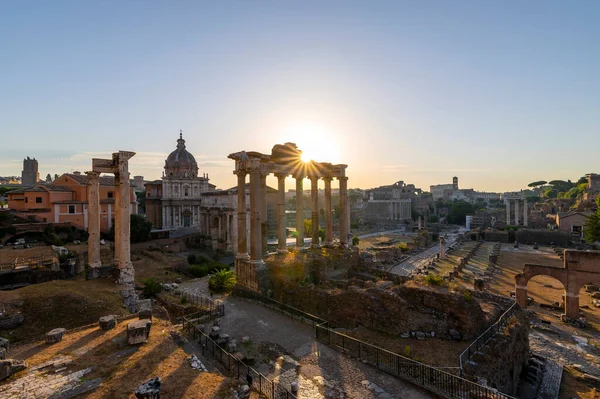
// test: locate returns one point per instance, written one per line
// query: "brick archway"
(579, 268)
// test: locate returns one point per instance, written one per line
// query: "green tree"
(537, 183)
(355, 240)
(459, 211)
(308, 230)
(591, 230)
(141, 200)
(434, 219)
(140, 228)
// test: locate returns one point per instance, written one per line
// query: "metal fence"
(259, 382)
(433, 379)
(488, 334)
(215, 307)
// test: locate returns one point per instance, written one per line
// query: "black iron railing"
(259, 382)
(488, 334)
(432, 379)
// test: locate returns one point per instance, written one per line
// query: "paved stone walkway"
(324, 372)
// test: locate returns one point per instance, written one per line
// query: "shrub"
(468, 295)
(355, 240)
(432, 279)
(191, 259)
(151, 286)
(222, 280)
(199, 270)
(184, 299)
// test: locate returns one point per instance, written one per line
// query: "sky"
(498, 93)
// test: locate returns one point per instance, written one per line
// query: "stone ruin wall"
(392, 310)
(504, 357)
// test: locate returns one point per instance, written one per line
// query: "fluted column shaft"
(93, 194)
(508, 212)
(263, 212)
(282, 246)
(516, 212)
(299, 212)
(525, 213)
(242, 244)
(328, 218)
(255, 217)
(343, 210)
(314, 194)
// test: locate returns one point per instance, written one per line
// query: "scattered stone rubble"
(55, 335)
(149, 389)
(197, 364)
(51, 380)
(107, 322)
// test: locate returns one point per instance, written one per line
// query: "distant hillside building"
(394, 203)
(65, 201)
(30, 174)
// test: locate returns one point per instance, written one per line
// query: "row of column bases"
(258, 213)
(516, 201)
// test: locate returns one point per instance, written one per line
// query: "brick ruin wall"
(393, 310)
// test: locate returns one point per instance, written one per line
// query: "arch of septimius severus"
(119, 166)
(284, 160)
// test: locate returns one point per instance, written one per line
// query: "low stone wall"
(543, 237)
(390, 309)
(503, 358)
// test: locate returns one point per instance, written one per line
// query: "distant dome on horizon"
(180, 163)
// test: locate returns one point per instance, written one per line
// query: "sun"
(316, 142)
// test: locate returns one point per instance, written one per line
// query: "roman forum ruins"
(119, 166)
(516, 200)
(285, 160)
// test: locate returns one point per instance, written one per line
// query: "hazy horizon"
(496, 93)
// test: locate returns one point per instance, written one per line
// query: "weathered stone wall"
(542, 237)
(503, 358)
(394, 310)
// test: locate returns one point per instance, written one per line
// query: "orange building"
(65, 201)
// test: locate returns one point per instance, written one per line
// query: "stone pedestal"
(55, 335)
(107, 322)
(4, 344)
(149, 389)
(10, 367)
(2, 353)
(138, 331)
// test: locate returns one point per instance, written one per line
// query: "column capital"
(93, 176)
(281, 176)
(240, 172)
(327, 178)
(344, 178)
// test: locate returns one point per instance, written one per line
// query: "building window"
(186, 192)
(71, 208)
(38, 200)
(26, 200)
(110, 194)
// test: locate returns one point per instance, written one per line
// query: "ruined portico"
(119, 166)
(284, 160)
(579, 268)
(516, 201)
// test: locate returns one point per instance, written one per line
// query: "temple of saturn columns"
(285, 160)
(515, 201)
(119, 166)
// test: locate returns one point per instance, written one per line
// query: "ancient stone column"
(263, 211)
(93, 194)
(314, 194)
(508, 212)
(525, 217)
(299, 212)
(572, 304)
(343, 210)
(328, 216)
(117, 225)
(442, 247)
(242, 244)
(123, 216)
(516, 212)
(255, 219)
(281, 244)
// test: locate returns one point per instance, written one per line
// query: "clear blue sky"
(499, 93)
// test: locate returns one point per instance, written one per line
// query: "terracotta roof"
(83, 179)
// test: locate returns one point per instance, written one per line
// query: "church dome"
(180, 163)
